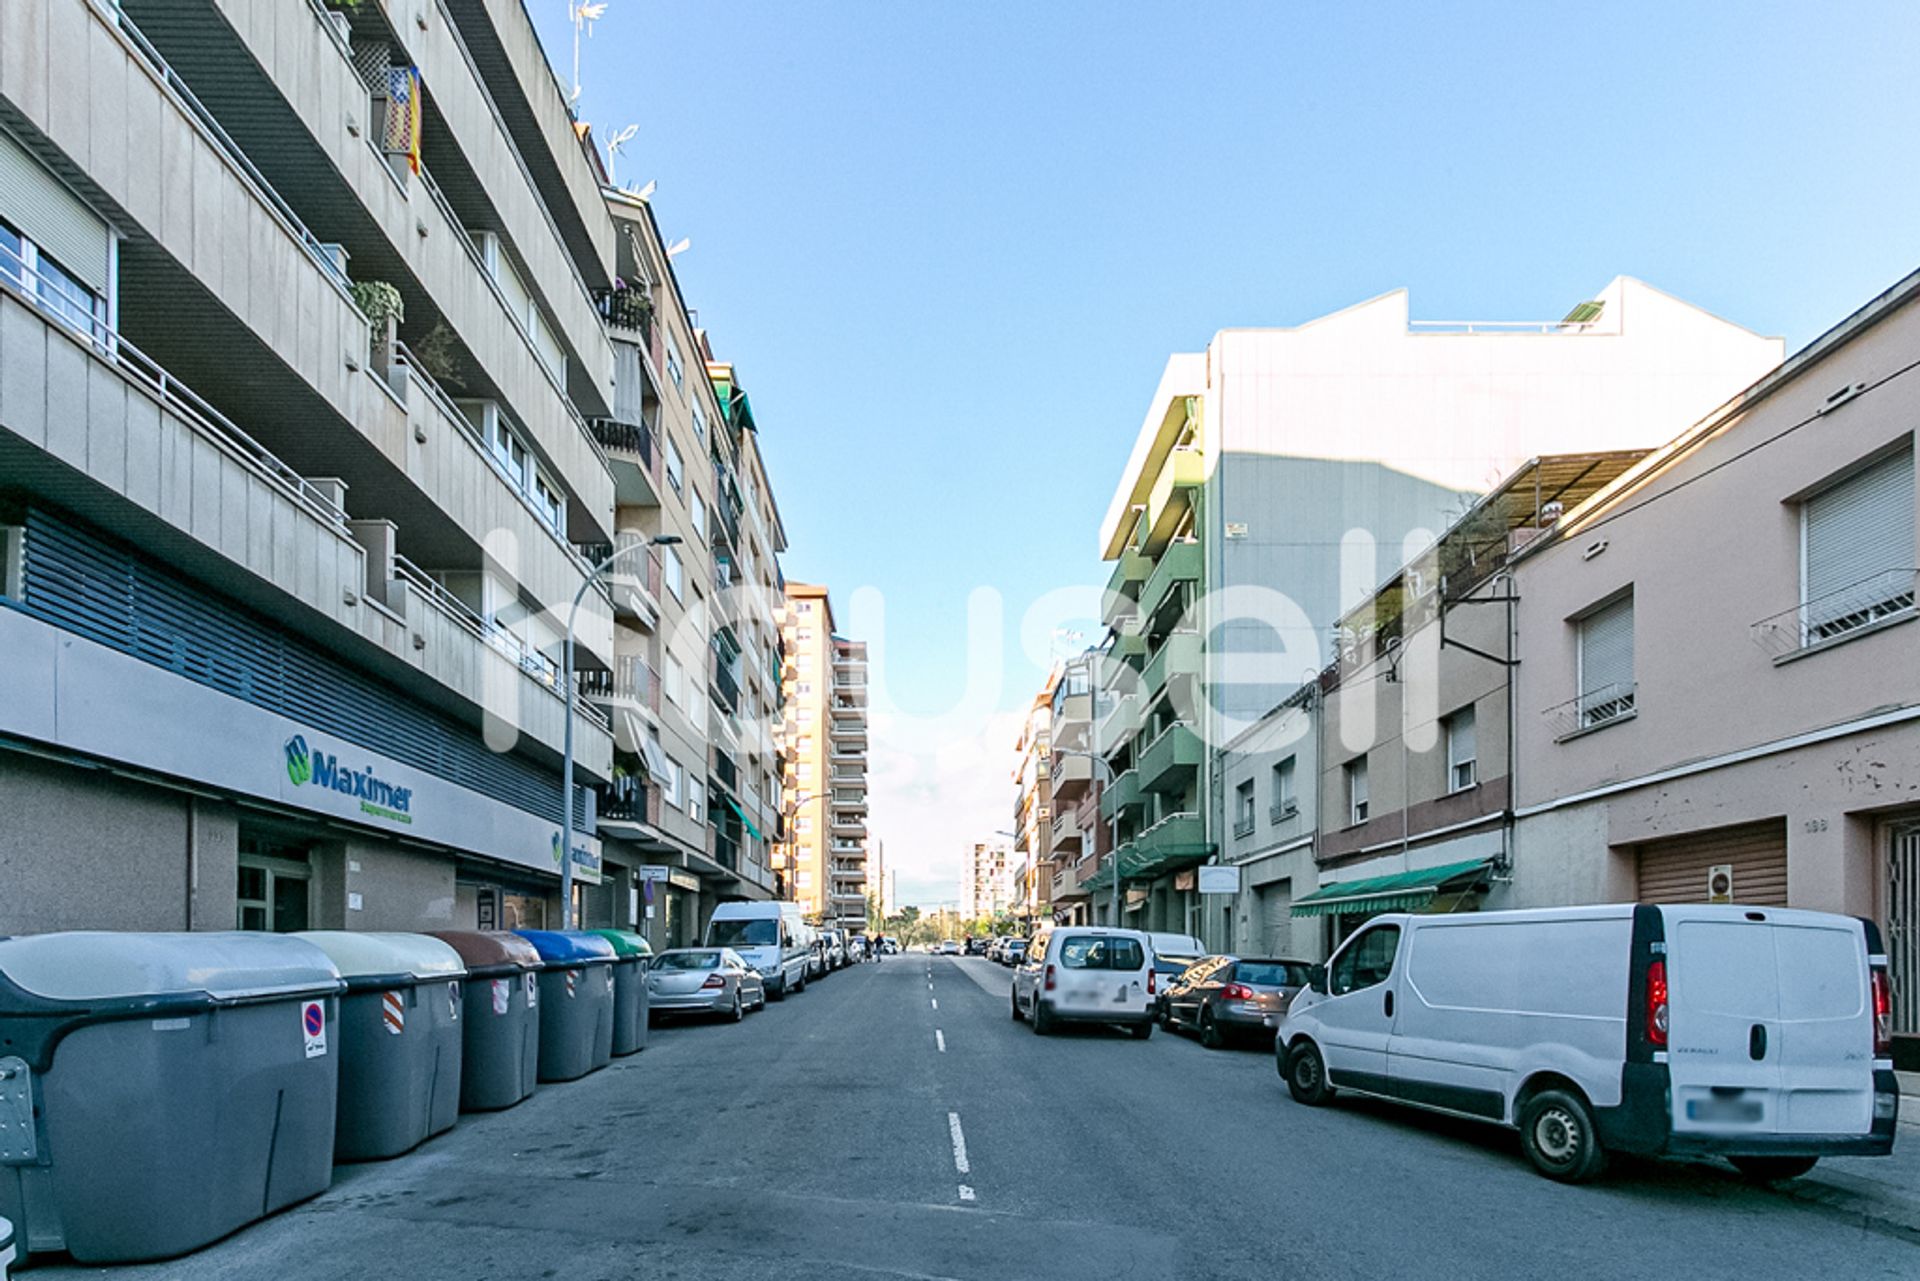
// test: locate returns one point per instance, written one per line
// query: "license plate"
(1743, 1111)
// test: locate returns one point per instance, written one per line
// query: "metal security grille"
(1903, 929)
(81, 582)
(1676, 871)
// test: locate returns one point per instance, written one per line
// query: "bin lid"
(387, 956)
(102, 966)
(490, 951)
(569, 947)
(626, 944)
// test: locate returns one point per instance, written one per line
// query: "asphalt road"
(892, 1121)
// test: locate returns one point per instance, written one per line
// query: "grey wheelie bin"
(632, 955)
(576, 1002)
(159, 1091)
(6, 1249)
(500, 1056)
(399, 1040)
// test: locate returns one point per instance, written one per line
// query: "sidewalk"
(1884, 1192)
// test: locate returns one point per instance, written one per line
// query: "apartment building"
(298, 351)
(1074, 816)
(1272, 812)
(693, 694)
(1033, 808)
(824, 860)
(1281, 474)
(986, 880)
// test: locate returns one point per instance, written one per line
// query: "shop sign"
(1215, 879)
(377, 797)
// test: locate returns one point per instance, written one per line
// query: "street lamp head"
(664, 540)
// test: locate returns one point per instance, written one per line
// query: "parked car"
(703, 980)
(1086, 973)
(773, 938)
(977, 945)
(1178, 982)
(856, 947)
(1226, 998)
(833, 940)
(1013, 951)
(889, 945)
(1759, 1035)
(1174, 954)
(949, 947)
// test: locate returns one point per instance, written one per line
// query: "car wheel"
(1165, 1013)
(1042, 1021)
(1306, 1074)
(1017, 1015)
(1773, 1169)
(1142, 1030)
(1558, 1135)
(1210, 1030)
(800, 984)
(780, 990)
(739, 1011)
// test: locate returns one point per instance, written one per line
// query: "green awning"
(1400, 892)
(735, 806)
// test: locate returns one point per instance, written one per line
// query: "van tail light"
(1882, 1014)
(715, 982)
(1049, 978)
(1236, 992)
(1152, 975)
(1657, 1003)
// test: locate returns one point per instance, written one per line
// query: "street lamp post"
(788, 812)
(567, 695)
(1113, 824)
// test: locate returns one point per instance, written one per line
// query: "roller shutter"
(1276, 919)
(1676, 871)
(52, 217)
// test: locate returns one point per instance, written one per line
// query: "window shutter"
(51, 216)
(1856, 531)
(1606, 651)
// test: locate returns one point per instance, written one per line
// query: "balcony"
(1123, 797)
(1184, 471)
(850, 802)
(630, 697)
(1071, 778)
(1178, 658)
(849, 690)
(725, 686)
(1170, 761)
(1176, 842)
(1180, 563)
(843, 823)
(1123, 589)
(627, 309)
(725, 771)
(1064, 835)
(630, 452)
(1118, 725)
(1129, 637)
(627, 802)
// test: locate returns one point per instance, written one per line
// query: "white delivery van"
(1087, 974)
(1759, 1034)
(773, 937)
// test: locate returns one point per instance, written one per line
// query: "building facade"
(1280, 475)
(1071, 774)
(1033, 808)
(986, 880)
(825, 858)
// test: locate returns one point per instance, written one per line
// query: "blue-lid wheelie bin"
(632, 953)
(399, 1040)
(576, 1002)
(500, 1057)
(160, 1091)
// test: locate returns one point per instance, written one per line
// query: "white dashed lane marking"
(935, 1004)
(959, 1143)
(940, 1039)
(966, 1193)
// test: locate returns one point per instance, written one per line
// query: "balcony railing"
(625, 800)
(625, 437)
(626, 309)
(1885, 595)
(1591, 710)
(726, 686)
(630, 680)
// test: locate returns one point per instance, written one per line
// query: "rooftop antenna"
(582, 16)
(615, 145)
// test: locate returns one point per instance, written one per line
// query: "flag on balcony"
(405, 114)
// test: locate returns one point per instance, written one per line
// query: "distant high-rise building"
(986, 879)
(824, 859)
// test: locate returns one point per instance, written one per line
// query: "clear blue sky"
(950, 246)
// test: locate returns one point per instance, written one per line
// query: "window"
(1243, 809)
(676, 466)
(1365, 961)
(804, 689)
(696, 798)
(676, 682)
(699, 422)
(670, 785)
(1101, 952)
(806, 607)
(552, 509)
(675, 369)
(674, 571)
(698, 508)
(1462, 755)
(1606, 664)
(804, 635)
(1856, 550)
(804, 824)
(1285, 803)
(59, 291)
(1357, 791)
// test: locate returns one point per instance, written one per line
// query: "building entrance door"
(1903, 941)
(275, 885)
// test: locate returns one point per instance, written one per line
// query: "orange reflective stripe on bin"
(393, 1012)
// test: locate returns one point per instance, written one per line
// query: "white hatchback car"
(1086, 974)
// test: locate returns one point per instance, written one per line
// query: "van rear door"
(1769, 1025)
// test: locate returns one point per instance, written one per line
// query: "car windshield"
(758, 932)
(1272, 973)
(686, 961)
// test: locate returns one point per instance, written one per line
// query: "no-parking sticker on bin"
(502, 995)
(313, 1021)
(393, 1012)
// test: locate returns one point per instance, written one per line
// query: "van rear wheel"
(1306, 1074)
(1558, 1135)
(1017, 1016)
(1773, 1169)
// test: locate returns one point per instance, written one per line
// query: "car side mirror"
(1317, 979)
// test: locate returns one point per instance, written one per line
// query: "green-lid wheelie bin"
(159, 1091)
(576, 1002)
(632, 954)
(500, 1058)
(399, 1040)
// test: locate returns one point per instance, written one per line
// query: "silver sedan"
(703, 980)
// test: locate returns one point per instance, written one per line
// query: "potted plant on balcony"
(626, 307)
(384, 309)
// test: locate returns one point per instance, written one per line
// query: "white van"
(1759, 1034)
(1086, 974)
(773, 937)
